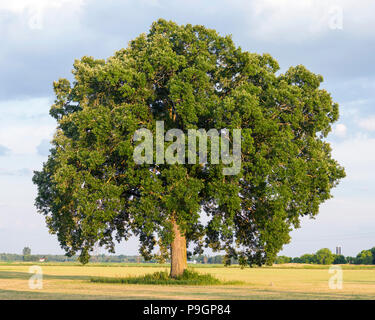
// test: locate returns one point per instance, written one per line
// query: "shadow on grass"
(26, 276)
(31, 295)
(171, 295)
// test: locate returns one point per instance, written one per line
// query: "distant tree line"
(205, 259)
(322, 256)
(9, 257)
(325, 256)
(28, 257)
(102, 258)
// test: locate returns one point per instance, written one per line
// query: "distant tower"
(338, 250)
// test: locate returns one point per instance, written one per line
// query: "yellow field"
(279, 282)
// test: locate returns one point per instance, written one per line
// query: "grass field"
(72, 281)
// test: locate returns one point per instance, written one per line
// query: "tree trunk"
(178, 252)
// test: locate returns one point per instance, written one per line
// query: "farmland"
(289, 281)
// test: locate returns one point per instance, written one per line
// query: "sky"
(40, 39)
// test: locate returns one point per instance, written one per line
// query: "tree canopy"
(92, 192)
(324, 256)
(365, 257)
(26, 251)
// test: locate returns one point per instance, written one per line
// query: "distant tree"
(26, 251)
(283, 259)
(189, 77)
(218, 259)
(324, 256)
(364, 257)
(199, 259)
(308, 258)
(339, 259)
(350, 260)
(373, 255)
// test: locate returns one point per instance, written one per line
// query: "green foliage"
(308, 258)
(26, 251)
(364, 257)
(339, 259)
(373, 254)
(283, 259)
(189, 277)
(31, 258)
(350, 260)
(324, 256)
(92, 192)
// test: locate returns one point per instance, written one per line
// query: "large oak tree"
(92, 192)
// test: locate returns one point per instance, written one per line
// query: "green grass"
(189, 277)
(68, 281)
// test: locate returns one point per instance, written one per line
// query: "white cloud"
(24, 139)
(351, 108)
(19, 172)
(18, 6)
(367, 124)
(36, 10)
(348, 218)
(154, 3)
(357, 155)
(24, 124)
(340, 130)
(346, 221)
(293, 20)
(25, 108)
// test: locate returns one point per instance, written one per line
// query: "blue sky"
(41, 38)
